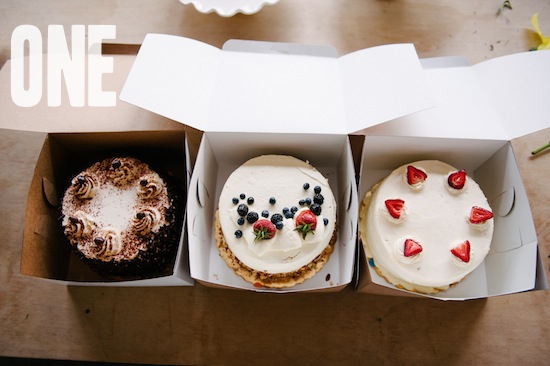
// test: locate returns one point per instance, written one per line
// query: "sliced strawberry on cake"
(415, 176)
(457, 180)
(478, 215)
(411, 247)
(462, 251)
(395, 207)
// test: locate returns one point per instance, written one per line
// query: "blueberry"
(276, 218)
(238, 233)
(250, 200)
(272, 200)
(252, 217)
(318, 198)
(308, 201)
(294, 209)
(242, 210)
(289, 214)
(243, 196)
(240, 221)
(285, 210)
(325, 221)
(265, 213)
(302, 202)
(279, 225)
(317, 189)
(306, 186)
(315, 208)
(235, 200)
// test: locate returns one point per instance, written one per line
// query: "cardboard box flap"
(381, 84)
(462, 109)
(173, 77)
(503, 98)
(214, 90)
(518, 87)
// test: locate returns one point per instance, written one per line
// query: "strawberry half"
(395, 207)
(411, 247)
(479, 215)
(457, 179)
(305, 222)
(415, 175)
(462, 251)
(264, 229)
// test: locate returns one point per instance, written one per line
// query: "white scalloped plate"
(228, 8)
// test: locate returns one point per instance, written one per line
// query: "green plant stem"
(534, 152)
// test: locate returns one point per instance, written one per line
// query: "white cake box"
(479, 109)
(258, 98)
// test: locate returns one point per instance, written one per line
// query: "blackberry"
(240, 221)
(272, 200)
(238, 234)
(250, 200)
(235, 200)
(315, 208)
(242, 210)
(275, 218)
(265, 213)
(318, 198)
(317, 189)
(252, 217)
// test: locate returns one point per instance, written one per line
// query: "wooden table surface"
(199, 325)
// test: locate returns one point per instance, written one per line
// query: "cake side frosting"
(276, 189)
(421, 234)
(113, 209)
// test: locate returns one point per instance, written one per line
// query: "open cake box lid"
(500, 99)
(272, 87)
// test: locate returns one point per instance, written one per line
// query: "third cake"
(276, 221)
(426, 226)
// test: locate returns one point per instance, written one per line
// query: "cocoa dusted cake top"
(112, 209)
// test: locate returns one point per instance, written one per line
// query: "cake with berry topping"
(122, 218)
(426, 226)
(276, 221)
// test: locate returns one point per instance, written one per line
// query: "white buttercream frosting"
(435, 218)
(283, 178)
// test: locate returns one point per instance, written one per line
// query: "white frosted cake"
(122, 218)
(426, 226)
(276, 221)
